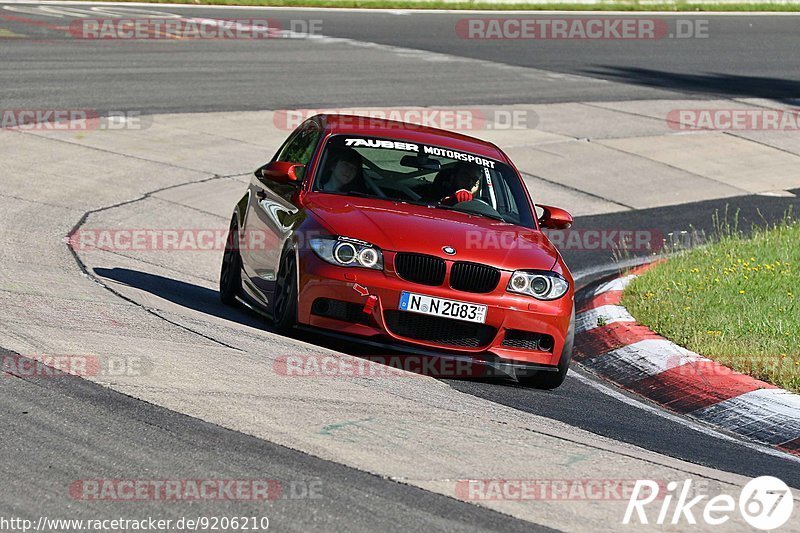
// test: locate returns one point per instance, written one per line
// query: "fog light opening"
(546, 343)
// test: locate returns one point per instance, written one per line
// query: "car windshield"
(402, 171)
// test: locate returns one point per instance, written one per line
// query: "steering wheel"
(479, 206)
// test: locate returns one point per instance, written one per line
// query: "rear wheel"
(230, 277)
(284, 301)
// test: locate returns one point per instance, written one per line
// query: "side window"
(509, 198)
(300, 147)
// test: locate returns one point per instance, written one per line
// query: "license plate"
(429, 305)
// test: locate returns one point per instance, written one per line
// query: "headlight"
(344, 251)
(542, 285)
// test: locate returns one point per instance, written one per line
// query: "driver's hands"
(461, 195)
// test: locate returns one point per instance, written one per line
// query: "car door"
(271, 213)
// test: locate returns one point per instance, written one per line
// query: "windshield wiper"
(387, 198)
(427, 204)
(355, 193)
(363, 194)
(468, 212)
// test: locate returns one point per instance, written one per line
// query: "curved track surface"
(742, 56)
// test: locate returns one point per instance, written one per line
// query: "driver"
(464, 184)
(346, 173)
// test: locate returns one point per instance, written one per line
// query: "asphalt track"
(60, 430)
(88, 420)
(742, 57)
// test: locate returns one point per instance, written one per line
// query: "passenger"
(345, 172)
(464, 184)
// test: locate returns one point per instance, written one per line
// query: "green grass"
(736, 301)
(532, 6)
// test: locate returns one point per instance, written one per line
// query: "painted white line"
(429, 11)
(770, 415)
(413, 53)
(605, 314)
(641, 360)
(438, 57)
(691, 424)
(616, 284)
(581, 275)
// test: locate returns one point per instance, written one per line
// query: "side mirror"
(280, 172)
(554, 218)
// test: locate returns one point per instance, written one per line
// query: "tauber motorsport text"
(765, 503)
(411, 147)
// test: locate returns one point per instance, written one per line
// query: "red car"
(402, 235)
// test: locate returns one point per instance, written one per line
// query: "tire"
(553, 380)
(284, 300)
(230, 277)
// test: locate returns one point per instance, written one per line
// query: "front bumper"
(505, 311)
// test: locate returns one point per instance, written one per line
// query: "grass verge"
(736, 301)
(489, 6)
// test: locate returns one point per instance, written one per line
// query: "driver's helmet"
(348, 155)
(466, 175)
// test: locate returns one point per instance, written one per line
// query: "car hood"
(399, 227)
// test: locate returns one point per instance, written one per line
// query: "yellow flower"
(741, 292)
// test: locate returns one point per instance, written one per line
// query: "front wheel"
(545, 380)
(230, 277)
(553, 380)
(284, 302)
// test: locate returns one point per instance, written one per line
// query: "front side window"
(407, 172)
(300, 147)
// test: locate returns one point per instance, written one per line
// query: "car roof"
(405, 131)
